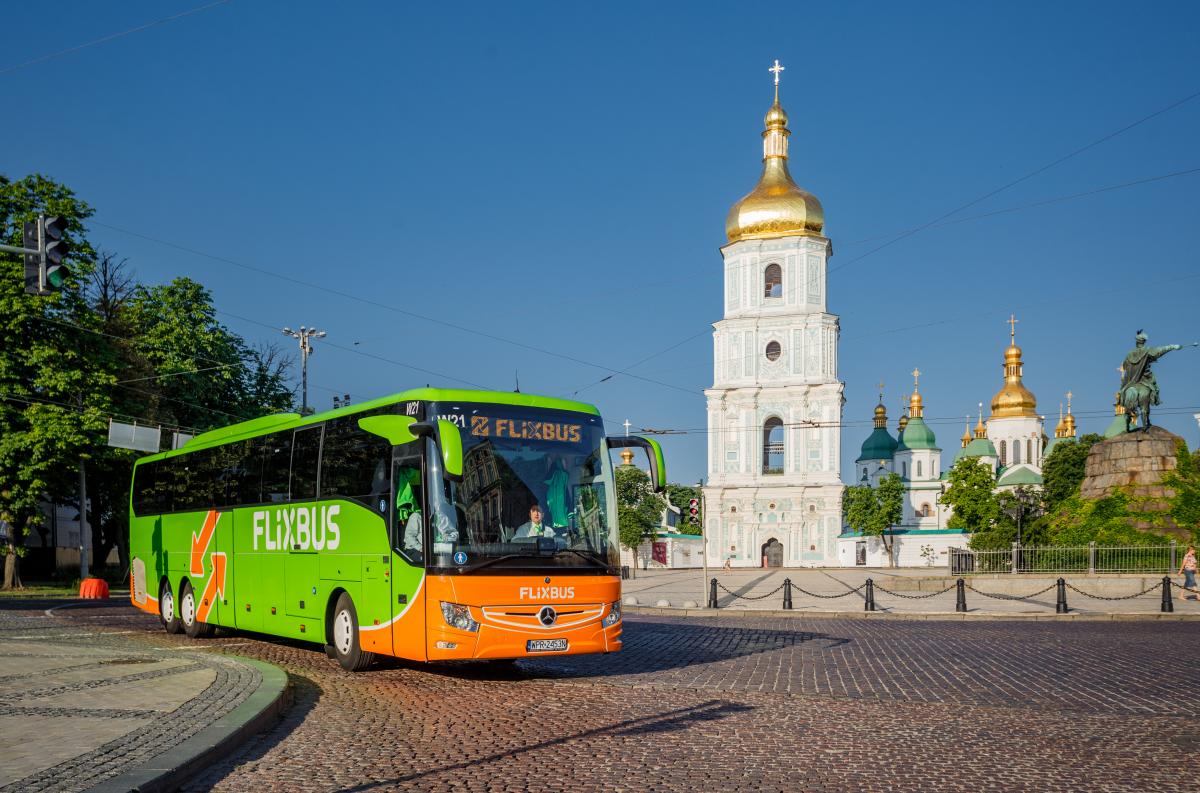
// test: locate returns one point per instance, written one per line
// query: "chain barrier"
(916, 597)
(1077, 590)
(1177, 586)
(731, 593)
(854, 591)
(998, 596)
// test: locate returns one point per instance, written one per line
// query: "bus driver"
(534, 526)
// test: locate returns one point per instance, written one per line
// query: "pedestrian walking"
(728, 562)
(1188, 571)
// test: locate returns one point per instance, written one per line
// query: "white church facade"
(774, 494)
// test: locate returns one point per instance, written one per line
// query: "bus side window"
(250, 483)
(277, 456)
(354, 464)
(306, 463)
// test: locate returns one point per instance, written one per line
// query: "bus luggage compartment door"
(301, 580)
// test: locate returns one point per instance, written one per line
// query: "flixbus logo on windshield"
(547, 592)
(298, 528)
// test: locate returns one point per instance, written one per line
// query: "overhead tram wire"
(28, 400)
(111, 36)
(1035, 172)
(135, 340)
(386, 307)
(363, 353)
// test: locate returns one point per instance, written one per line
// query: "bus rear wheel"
(343, 636)
(168, 615)
(187, 614)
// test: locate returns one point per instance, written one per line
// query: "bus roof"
(282, 421)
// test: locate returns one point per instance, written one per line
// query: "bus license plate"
(545, 645)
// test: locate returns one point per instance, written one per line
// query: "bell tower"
(775, 406)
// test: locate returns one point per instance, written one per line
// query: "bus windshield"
(535, 493)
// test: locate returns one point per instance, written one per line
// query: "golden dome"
(880, 415)
(1013, 398)
(776, 207)
(1060, 429)
(966, 437)
(980, 430)
(1069, 419)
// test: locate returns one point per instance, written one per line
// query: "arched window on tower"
(1016, 452)
(904, 467)
(773, 281)
(926, 511)
(773, 446)
(1003, 453)
(1029, 451)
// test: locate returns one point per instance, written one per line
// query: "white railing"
(1090, 558)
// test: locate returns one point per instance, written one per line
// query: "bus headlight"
(458, 616)
(613, 616)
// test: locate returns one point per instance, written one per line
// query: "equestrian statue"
(1139, 390)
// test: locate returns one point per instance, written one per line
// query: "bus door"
(409, 538)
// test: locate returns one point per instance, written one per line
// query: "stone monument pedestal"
(1135, 463)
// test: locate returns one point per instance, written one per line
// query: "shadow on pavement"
(667, 721)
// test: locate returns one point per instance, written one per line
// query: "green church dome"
(879, 445)
(916, 435)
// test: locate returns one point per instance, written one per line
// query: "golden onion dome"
(776, 207)
(1013, 398)
(880, 415)
(1060, 429)
(1069, 419)
(966, 436)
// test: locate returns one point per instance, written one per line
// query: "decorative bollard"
(787, 593)
(712, 594)
(960, 596)
(869, 603)
(1060, 607)
(1168, 605)
(93, 589)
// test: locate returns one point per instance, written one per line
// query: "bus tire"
(168, 612)
(343, 636)
(187, 614)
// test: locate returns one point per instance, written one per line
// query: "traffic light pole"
(703, 544)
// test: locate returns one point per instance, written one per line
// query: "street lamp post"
(303, 336)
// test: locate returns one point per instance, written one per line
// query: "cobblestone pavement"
(80, 706)
(742, 703)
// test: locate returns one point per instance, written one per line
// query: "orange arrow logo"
(215, 586)
(200, 544)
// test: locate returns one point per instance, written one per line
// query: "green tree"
(53, 374)
(633, 485)
(970, 492)
(680, 496)
(1184, 481)
(1018, 518)
(1063, 469)
(874, 510)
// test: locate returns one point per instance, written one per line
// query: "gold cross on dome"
(1012, 325)
(1069, 395)
(880, 384)
(776, 69)
(916, 373)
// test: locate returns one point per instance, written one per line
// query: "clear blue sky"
(558, 175)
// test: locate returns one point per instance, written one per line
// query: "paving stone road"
(742, 703)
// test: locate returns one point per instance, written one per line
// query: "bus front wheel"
(344, 636)
(168, 614)
(187, 614)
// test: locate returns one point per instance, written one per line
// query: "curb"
(172, 768)
(943, 616)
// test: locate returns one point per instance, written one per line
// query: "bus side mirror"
(658, 467)
(448, 440)
(396, 429)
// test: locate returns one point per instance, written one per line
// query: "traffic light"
(694, 510)
(55, 251)
(33, 261)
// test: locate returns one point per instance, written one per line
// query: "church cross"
(1012, 325)
(916, 373)
(1069, 395)
(776, 69)
(880, 384)
(627, 425)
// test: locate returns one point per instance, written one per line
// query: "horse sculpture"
(1139, 389)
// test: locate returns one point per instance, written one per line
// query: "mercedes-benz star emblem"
(547, 616)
